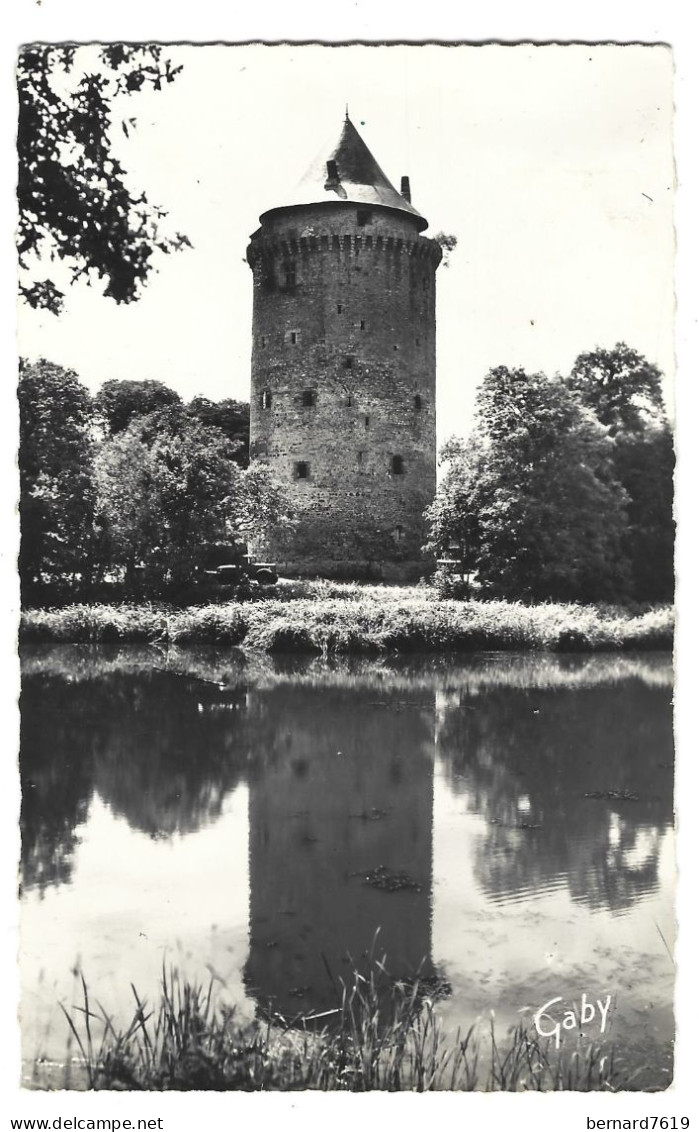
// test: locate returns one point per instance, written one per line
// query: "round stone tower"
(343, 368)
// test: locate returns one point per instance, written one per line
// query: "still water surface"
(504, 823)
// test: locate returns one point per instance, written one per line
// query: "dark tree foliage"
(232, 417)
(120, 400)
(452, 518)
(621, 387)
(57, 490)
(170, 489)
(167, 486)
(532, 497)
(645, 465)
(75, 202)
(551, 512)
(565, 489)
(624, 391)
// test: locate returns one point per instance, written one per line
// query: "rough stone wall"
(343, 386)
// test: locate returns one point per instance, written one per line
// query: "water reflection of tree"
(525, 759)
(161, 751)
(173, 756)
(56, 780)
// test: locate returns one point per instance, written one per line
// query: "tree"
(452, 518)
(447, 243)
(624, 391)
(120, 400)
(56, 469)
(170, 488)
(232, 417)
(75, 203)
(541, 496)
(620, 386)
(645, 465)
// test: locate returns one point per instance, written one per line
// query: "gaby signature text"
(590, 1011)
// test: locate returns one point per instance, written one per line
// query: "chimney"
(405, 188)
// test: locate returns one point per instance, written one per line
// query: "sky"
(552, 166)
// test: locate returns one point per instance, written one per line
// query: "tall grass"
(376, 1039)
(368, 620)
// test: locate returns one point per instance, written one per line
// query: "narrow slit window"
(362, 324)
(348, 400)
(289, 271)
(302, 469)
(418, 341)
(360, 457)
(397, 466)
(349, 362)
(265, 399)
(292, 337)
(308, 398)
(339, 308)
(366, 422)
(418, 401)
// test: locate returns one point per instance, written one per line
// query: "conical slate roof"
(356, 178)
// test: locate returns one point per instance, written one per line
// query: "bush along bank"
(377, 621)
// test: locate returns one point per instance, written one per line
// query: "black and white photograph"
(346, 567)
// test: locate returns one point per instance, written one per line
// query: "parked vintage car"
(227, 565)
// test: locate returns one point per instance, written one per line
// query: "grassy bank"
(321, 618)
(389, 1039)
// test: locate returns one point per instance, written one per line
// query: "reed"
(383, 1035)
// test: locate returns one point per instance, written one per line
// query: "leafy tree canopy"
(532, 497)
(620, 386)
(57, 497)
(624, 391)
(75, 203)
(120, 400)
(232, 417)
(169, 487)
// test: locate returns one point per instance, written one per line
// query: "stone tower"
(343, 367)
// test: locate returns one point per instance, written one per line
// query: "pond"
(502, 824)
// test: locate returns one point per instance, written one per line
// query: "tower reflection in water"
(340, 842)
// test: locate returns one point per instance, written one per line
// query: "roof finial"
(347, 112)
